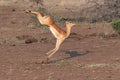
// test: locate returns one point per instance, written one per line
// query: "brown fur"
(59, 34)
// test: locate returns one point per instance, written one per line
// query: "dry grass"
(11, 41)
(92, 65)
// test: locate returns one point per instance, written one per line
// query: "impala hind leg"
(58, 43)
(51, 52)
(48, 53)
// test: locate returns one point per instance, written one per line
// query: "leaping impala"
(59, 34)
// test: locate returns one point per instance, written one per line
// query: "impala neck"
(68, 30)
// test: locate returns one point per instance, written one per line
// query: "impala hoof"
(27, 11)
(46, 61)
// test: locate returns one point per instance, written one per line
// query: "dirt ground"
(85, 55)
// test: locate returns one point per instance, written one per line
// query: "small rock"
(28, 39)
(31, 40)
(13, 10)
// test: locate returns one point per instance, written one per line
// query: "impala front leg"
(38, 14)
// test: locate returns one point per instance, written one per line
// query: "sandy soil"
(85, 55)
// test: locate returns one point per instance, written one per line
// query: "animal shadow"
(71, 55)
(75, 54)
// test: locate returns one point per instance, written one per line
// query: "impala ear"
(66, 22)
(74, 24)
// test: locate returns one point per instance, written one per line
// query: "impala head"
(70, 24)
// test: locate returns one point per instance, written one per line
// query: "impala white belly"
(54, 32)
